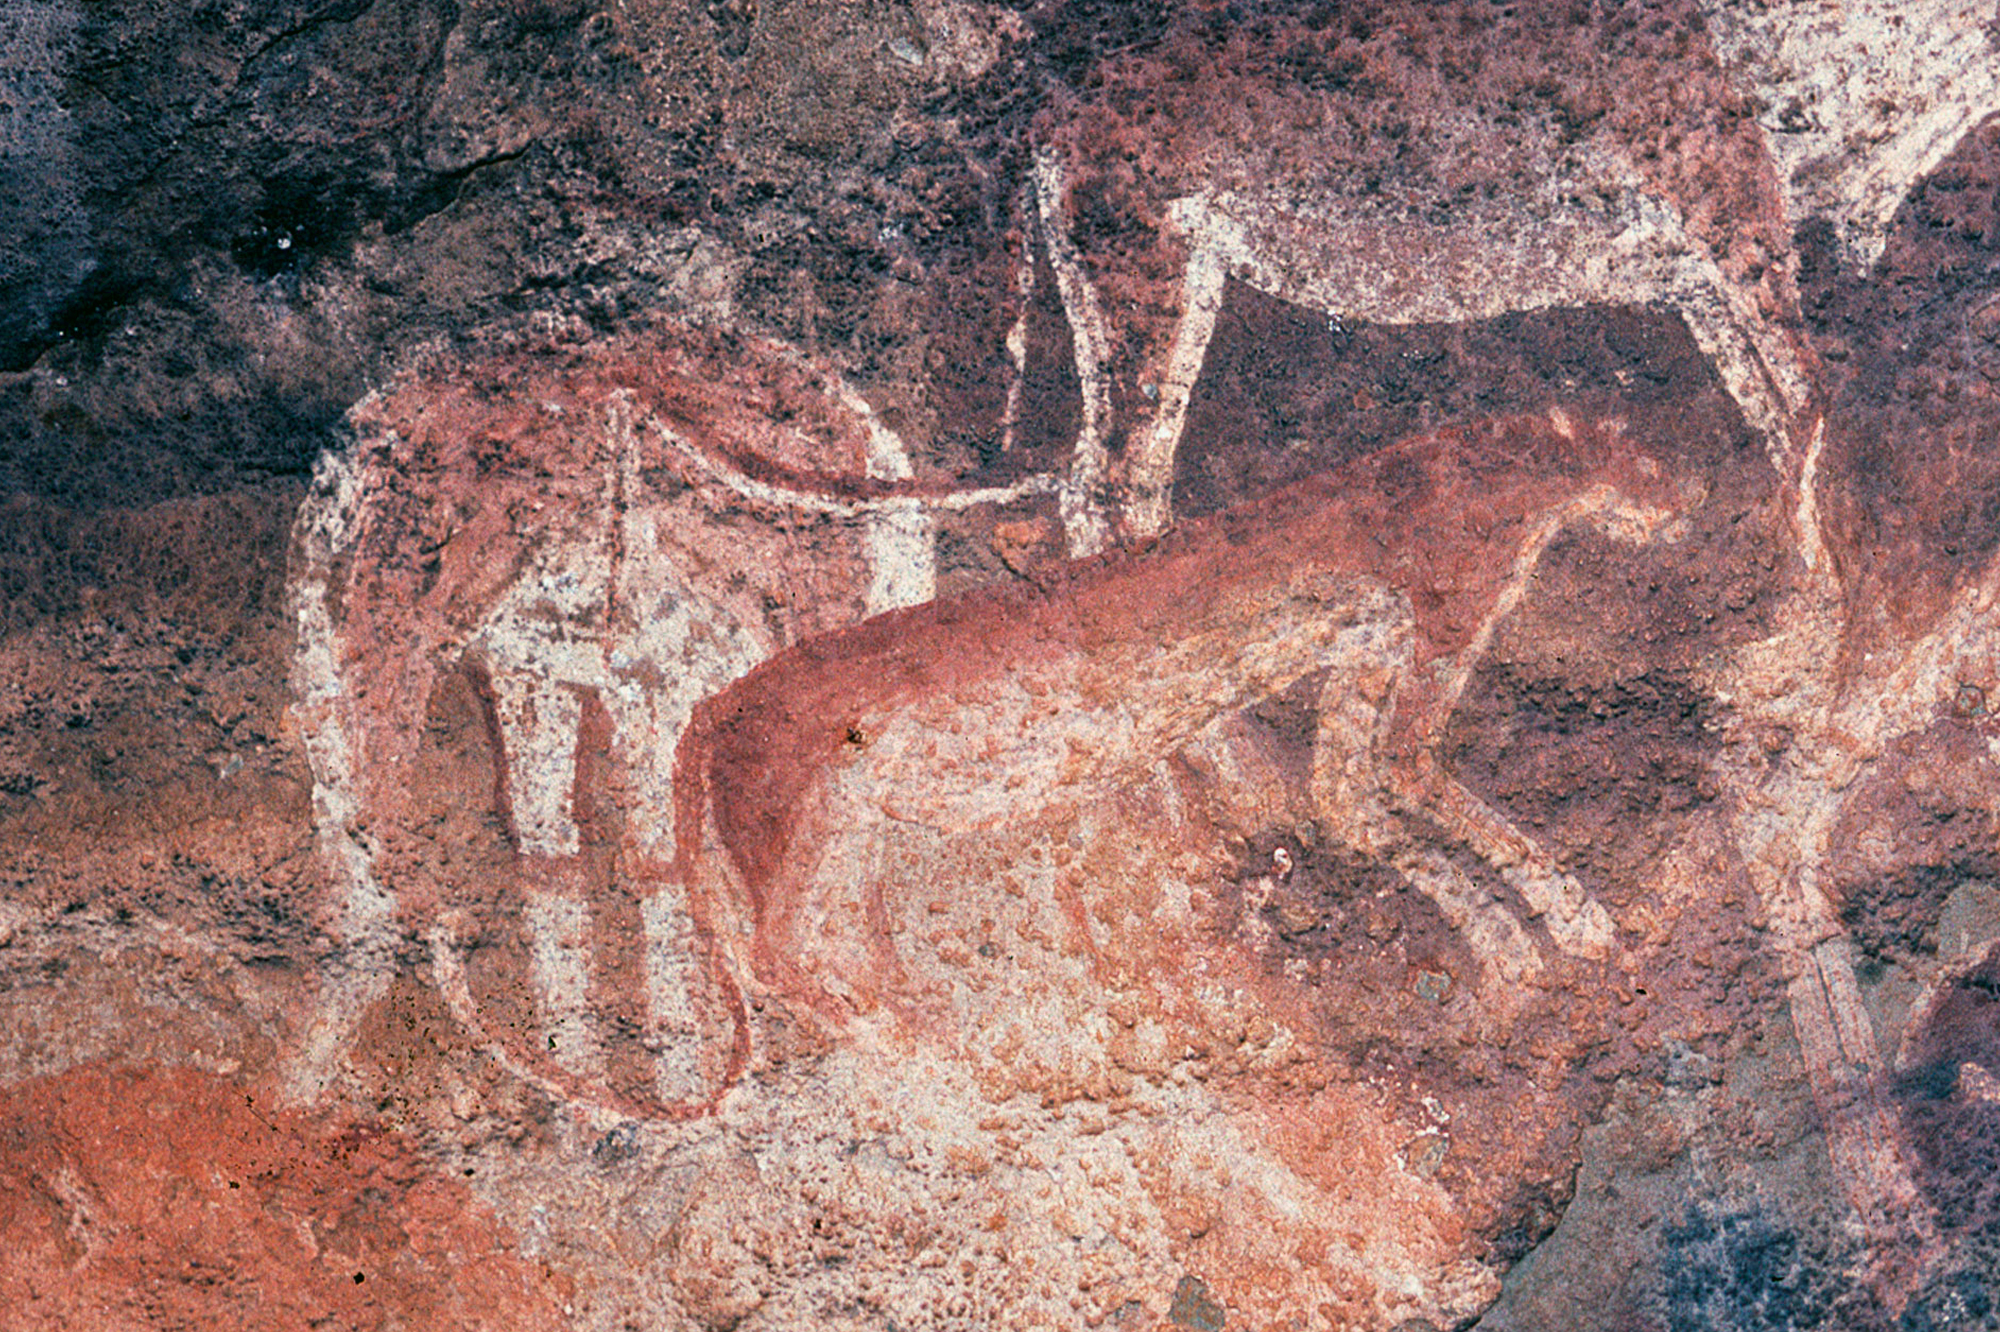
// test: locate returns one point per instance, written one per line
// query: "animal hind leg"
(1410, 770)
(1354, 802)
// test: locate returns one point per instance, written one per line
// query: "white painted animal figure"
(1595, 231)
(1858, 102)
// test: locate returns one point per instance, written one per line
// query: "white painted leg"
(1017, 341)
(365, 909)
(902, 555)
(1083, 519)
(901, 551)
(1152, 465)
(1756, 362)
(1577, 923)
(675, 974)
(538, 719)
(559, 950)
(1508, 955)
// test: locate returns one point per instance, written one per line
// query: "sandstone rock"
(954, 665)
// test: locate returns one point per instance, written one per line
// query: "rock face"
(763, 666)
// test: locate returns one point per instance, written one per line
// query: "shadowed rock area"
(778, 664)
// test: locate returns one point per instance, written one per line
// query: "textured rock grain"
(946, 665)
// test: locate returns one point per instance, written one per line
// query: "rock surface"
(947, 665)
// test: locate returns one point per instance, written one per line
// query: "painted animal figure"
(1822, 113)
(1125, 662)
(754, 770)
(1778, 115)
(1000, 711)
(589, 628)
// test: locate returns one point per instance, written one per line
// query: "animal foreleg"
(1017, 337)
(1410, 771)
(1083, 520)
(1151, 474)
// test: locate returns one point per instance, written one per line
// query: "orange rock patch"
(170, 1198)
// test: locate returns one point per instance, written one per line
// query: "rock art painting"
(1256, 665)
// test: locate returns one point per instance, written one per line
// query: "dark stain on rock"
(1601, 776)
(1912, 376)
(1386, 986)
(1951, 1104)
(1922, 824)
(1194, 1307)
(1748, 1268)
(1287, 392)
